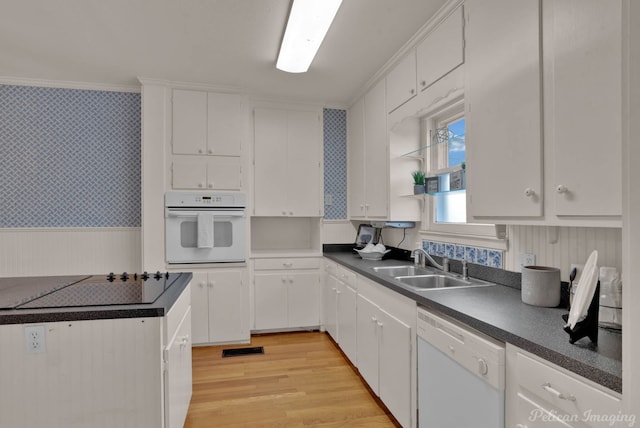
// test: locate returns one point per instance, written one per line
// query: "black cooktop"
(105, 290)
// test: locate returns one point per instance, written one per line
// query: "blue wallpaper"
(335, 163)
(477, 255)
(69, 158)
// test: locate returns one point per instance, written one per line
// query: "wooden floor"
(302, 380)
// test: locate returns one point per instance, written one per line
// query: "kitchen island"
(97, 351)
(499, 312)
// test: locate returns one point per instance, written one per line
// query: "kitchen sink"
(406, 270)
(430, 282)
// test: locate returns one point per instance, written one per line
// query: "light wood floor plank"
(302, 380)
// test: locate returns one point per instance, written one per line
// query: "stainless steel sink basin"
(407, 270)
(420, 279)
(430, 282)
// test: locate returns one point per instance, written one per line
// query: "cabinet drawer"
(565, 392)
(331, 268)
(346, 276)
(533, 415)
(287, 263)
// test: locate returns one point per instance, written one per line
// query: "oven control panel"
(205, 199)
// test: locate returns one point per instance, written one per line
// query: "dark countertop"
(25, 289)
(498, 311)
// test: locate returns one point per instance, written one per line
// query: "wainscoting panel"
(35, 252)
(562, 246)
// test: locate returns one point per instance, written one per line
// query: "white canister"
(541, 286)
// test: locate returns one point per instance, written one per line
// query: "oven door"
(182, 236)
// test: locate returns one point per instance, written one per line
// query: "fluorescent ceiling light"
(308, 23)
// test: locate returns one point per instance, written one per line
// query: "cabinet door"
(226, 124)
(442, 50)
(355, 159)
(395, 366)
(270, 294)
(376, 153)
(224, 173)
(228, 307)
(270, 159)
(189, 173)
(304, 148)
(502, 102)
(347, 322)
(200, 308)
(367, 344)
(303, 299)
(532, 415)
(178, 378)
(585, 106)
(189, 122)
(329, 306)
(401, 82)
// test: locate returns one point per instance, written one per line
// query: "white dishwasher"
(461, 376)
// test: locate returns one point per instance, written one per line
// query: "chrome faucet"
(420, 260)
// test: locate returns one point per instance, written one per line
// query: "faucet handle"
(445, 264)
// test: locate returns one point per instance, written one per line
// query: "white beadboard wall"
(573, 246)
(69, 251)
(96, 373)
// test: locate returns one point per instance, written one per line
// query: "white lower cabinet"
(384, 349)
(541, 394)
(286, 299)
(220, 306)
(178, 374)
(339, 310)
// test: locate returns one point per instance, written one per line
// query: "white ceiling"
(219, 42)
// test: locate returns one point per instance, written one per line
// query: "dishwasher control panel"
(478, 353)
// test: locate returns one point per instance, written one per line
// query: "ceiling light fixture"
(309, 21)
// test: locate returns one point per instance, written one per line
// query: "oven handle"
(191, 214)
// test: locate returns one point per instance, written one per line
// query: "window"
(444, 133)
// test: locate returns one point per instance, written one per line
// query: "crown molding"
(64, 84)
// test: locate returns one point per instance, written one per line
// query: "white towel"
(205, 230)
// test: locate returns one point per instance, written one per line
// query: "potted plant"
(418, 182)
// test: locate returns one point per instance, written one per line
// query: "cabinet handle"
(561, 189)
(201, 284)
(290, 212)
(210, 186)
(289, 264)
(210, 151)
(379, 324)
(423, 83)
(373, 319)
(529, 192)
(184, 341)
(200, 151)
(547, 387)
(412, 91)
(284, 213)
(200, 185)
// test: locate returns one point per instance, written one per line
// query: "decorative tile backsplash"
(69, 157)
(335, 163)
(477, 255)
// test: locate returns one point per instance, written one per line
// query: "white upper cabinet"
(503, 109)
(401, 82)
(583, 105)
(287, 163)
(552, 63)
(206, 123)
(442, 50)
(368, 155)
(213, 173)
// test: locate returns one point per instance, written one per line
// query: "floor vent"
(242, 351)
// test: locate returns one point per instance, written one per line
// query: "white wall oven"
(205, 227)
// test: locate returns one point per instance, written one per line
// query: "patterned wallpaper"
(69, 158)
(335, 164)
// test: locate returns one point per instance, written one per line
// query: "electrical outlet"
(328, 199)
(527, 259)
(35, 339)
